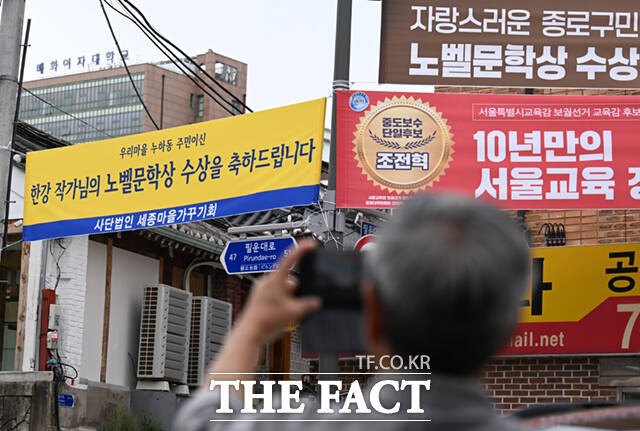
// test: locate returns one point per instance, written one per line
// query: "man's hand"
(271, 306)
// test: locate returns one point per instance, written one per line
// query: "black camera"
(336, 278)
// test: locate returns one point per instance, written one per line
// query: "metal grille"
(211, 321)
(194, 342)
(164, 334)
(146, 350)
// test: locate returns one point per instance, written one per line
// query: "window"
(237, 107)
(112, 100)
(200, 105)
(226, 73)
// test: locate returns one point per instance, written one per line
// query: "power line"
(181, 66)
(65, 112)
(115, 39)
(154, 36)
(150, 27)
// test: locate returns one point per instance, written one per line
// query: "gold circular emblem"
(403, 144)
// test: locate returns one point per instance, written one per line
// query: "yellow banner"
(235, 165)
(569, 282)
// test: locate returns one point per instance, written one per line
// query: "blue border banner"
(295, 196)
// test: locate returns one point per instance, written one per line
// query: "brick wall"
(70, 254)
(587, 227)
(231, 289)
(513, 383)
(298, 364)
(518, 382)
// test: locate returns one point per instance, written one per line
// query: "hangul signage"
(251, 162)
(81, 63)
(517, 151)
(65, 400)
(255, 254)
(582, 300)
(368, 229)
(511, 43)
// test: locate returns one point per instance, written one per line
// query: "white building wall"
(94, 311)
(17, 193)
(70, 254)
(80, 292)
(66, 272)
(31, 318)
(130, 274)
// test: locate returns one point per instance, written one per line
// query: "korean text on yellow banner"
(582, 300)
(253, 162)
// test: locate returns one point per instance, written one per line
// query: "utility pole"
(10, 35)
(328, 362)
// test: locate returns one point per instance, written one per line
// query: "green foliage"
(119, 419)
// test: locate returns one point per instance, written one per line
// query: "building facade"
(106, 100)
(515, 382)
(98, 280)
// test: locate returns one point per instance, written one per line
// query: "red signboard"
(582, 300)
(609, 328)
(510, 43)
(518, 151)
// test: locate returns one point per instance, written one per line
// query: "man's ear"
(373, 317)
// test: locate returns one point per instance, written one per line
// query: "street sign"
(254, 254)
(211, 169)
(419, 39)
(365, 243)
(65, 400)
(379, 166)
(582, 300)
(368, 229)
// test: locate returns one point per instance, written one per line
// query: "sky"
(288, 44)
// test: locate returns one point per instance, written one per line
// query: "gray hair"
(450, 273)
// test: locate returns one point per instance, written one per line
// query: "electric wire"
(124, 62)
(157, 38)
(152, 29)
(63, 249)
(65, 112)
(177, 62)
(62, 364)
(9, 246)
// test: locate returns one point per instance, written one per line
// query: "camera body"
(333, 276)
(336, 278)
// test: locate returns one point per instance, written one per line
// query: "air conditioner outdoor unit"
(210, 323)
(164, 334)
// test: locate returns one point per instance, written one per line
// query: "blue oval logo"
(359, 101)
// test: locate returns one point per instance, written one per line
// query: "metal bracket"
(8, 78)
(267, 227)
(340, 84)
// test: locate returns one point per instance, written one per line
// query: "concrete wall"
(26, 401)
(80, 292)
(71, 281)
(131, 272)
(66, 272)
(93, 311)
(17, 193)
(92, 404)
(31, 318)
